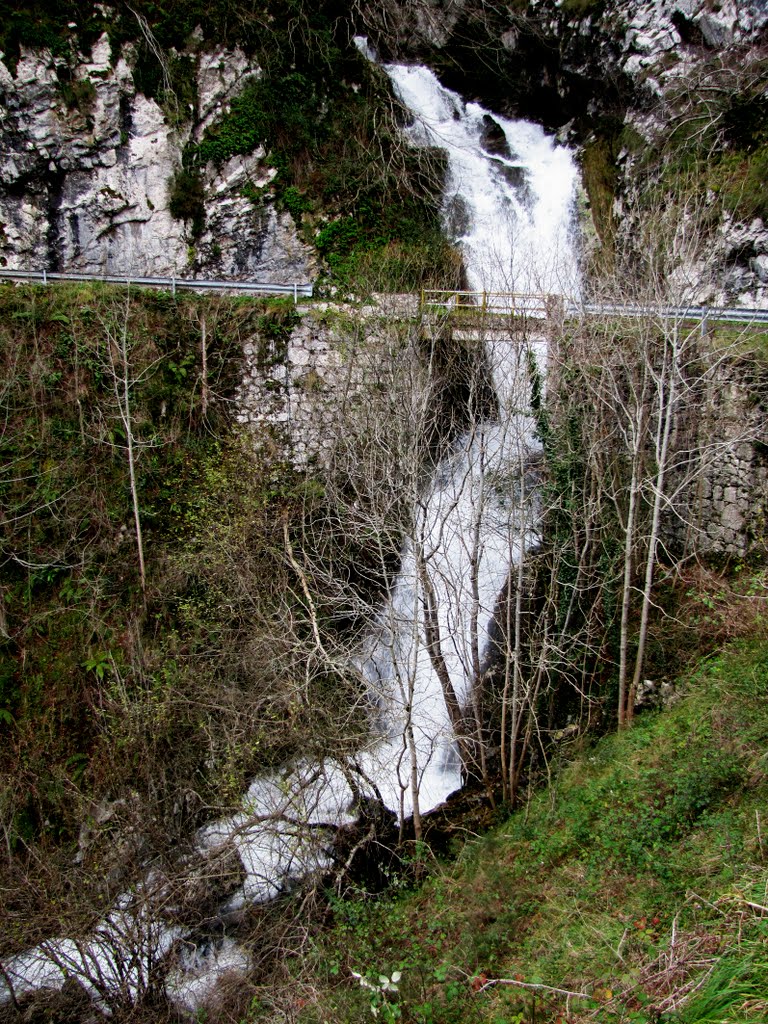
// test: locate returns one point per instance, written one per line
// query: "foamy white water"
(114, 964)
(468, 529)
(511, 213)
(510, 193)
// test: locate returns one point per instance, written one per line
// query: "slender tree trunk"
(664, 432)
(406, 683)
(517, 675)
(125, 404)
(414, 779)
(506, 700)
(476, 682)
(626, 593)
(204, 391)
(432, 643)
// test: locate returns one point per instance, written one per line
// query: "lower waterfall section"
(509, 203)
(432, 632)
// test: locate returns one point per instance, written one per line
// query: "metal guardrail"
(533, 304)
(540, 305)
(736, 314)
(172, 283)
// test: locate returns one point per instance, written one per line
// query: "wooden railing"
(448, 301)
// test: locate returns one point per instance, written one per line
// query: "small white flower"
(364, 983)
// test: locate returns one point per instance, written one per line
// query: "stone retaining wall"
(297, 393)
(296, 390)
(724, 511)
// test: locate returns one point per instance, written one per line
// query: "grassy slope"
(636, 878)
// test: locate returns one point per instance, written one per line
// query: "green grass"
(635, 879)
(743, 339)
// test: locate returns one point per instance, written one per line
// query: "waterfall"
(508, 203)
(510, 191)
(516, 191)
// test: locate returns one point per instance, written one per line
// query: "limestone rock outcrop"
(86, 165)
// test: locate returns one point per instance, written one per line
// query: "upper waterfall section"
(510, 194)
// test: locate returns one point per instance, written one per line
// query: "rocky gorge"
(279, 580)
(96, 178)
(636, 87)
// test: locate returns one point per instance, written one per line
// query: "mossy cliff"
(260, 143)
(186, 140)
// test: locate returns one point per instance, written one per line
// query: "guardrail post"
(704, 326)
(45, 277)
(173, 287)
(295, 296)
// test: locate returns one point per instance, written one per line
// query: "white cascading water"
(509, 202)
(510, 191)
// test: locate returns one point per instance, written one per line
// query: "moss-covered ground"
(634, 888)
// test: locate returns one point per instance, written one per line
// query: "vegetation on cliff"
(324, 115)
(177, 600)
(139, 652)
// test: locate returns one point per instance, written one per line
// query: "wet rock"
(517, 178)
(203, 884)
(206, 976)
(492, 138)
(364, 850)
(655, 693)
(457, 218)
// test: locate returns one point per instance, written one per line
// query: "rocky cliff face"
(557, 59)
(88, 158)
(86, 165)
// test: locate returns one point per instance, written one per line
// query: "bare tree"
(635, 385)
(124, 379)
